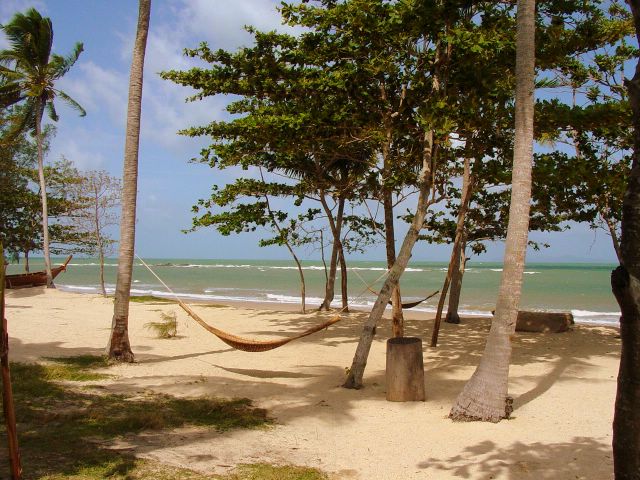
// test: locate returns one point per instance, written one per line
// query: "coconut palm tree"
(484, 397)
(28, 74)
(119, 347)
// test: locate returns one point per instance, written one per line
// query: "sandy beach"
(563, 387)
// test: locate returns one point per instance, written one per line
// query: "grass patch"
(263, 471)
(167, 327)
(150, 299)
(77, 369)
(58, 424)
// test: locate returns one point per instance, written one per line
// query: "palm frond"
(10, 94)
(51, 110)
(8, 75)
(71, 102)
(30, 36)
(61, 65)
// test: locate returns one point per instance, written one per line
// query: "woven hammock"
(249, 345)
(239, 343)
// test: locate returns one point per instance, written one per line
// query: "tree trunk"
(356, 372)
(456, 286)
(625, 282)
(99, 240)
(119, 347)
(484, 397)
(303, 289)
(405, 370)
(7, 392)
(26, 261)
(343, 280)
(397, 319)
(467, 189)
(101, 259)
(274, 222)
(43, 196)
(336, 229)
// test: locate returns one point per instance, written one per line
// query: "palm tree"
(484, 397)
(28, 73)
(119, 347)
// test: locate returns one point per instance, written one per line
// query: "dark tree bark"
(625, 282)
(456, 285)
(467, 189)
(344, 281)
(336, 231)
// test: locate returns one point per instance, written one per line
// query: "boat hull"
(33, 279)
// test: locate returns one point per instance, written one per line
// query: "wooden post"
(7, 393)
(405, 370)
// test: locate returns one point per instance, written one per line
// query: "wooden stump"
(405, 370)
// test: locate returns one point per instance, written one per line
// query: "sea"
(582, 288)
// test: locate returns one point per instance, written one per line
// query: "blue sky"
(168, 184)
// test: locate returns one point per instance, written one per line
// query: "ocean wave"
(587, 313)
(78, 288)
(92, 264)
(230, 294)
(268, 267)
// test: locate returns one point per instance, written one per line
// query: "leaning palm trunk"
(119, 347)
(43, 196)
(484, 397)
(625, 281)
(425, 180)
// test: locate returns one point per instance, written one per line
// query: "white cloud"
(10, 7)
(221, 22)
(184, 24)
(81, 156)
(99, 90)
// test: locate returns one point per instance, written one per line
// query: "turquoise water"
(582, 288)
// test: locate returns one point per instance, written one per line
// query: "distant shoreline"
(473, 261)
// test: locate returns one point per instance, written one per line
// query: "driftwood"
(543, 322)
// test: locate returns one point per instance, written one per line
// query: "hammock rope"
(404, 305)
(240, 343)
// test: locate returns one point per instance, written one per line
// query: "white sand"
(563, 385)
